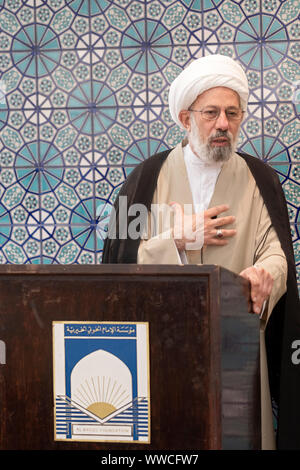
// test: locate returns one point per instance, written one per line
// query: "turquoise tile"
(49, 155)
(103, 95)
(50, 179)
(250, 55)
(84, 8)
(272, 29)
(209, 4)
(274, 53)
(193, 4)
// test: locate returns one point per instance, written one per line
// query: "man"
(243, 223)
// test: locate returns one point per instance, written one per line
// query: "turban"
(202, 74)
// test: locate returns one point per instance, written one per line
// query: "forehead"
(218, 96)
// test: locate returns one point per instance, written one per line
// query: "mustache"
(221, 134)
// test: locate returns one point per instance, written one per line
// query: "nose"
(222, 122)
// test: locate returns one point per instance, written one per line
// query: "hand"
(211, 225)
(201, 227)
(261, 285)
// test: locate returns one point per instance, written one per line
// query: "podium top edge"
(106, 269)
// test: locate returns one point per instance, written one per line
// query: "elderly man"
(238, 220)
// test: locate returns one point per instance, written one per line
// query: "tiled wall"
(83, 99)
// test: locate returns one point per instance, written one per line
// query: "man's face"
(213, 140)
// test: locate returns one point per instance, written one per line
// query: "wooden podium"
(203, 346)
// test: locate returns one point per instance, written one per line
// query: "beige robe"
(235, 187)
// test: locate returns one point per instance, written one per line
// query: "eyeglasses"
(212, 113)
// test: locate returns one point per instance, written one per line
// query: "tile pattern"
(84, 87)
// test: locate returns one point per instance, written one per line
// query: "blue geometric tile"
(84, 98)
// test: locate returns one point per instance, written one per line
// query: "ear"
(184, 118)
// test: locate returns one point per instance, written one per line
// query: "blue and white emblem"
(101, 381)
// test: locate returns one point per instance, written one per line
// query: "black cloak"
(283, 328)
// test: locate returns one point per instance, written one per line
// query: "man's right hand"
(212, 224)
(207, 225)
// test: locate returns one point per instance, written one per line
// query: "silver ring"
(219, 233)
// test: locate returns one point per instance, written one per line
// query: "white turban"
(201, 75)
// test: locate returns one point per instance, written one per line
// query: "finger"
(266, 281)
(255, 288)
(212, 235)
(257, 307)
(257, 297)
(261, 283)
(255, 292)
(213, 211)
(215, 241)
(230, 219)
(227, 233)
(251, 275)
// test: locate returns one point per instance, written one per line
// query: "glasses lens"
(210, 113)
(234, 114)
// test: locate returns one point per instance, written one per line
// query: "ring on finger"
(219, 233)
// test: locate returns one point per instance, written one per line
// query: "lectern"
(188, 358)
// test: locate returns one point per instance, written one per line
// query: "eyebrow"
(215, 106)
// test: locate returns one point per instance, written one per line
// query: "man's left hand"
(261, 285)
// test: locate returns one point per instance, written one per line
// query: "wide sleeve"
(158, 250)
(158, 245)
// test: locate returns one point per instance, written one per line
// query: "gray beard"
(204, 151)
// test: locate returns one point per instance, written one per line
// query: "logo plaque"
(101, 381)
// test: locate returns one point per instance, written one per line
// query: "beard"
(205, 151)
